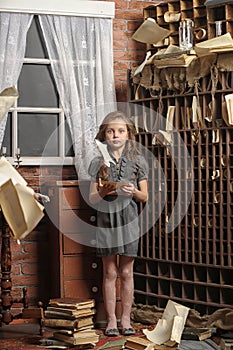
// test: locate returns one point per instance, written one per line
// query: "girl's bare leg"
(127, 288)
(109, 289)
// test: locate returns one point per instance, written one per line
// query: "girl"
(115, 190)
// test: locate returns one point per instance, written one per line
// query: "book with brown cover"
(77, 338)
(68, 324)
(137, 343)
(141, 343)
(72, 303)
(191, 333)
(77, 314)
(68, 311)
(113, 345)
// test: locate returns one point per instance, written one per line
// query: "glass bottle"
(218, 28)
(186, 34)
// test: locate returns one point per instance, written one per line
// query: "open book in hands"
(114, 185)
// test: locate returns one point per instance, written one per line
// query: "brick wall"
(127, 52)
(30, 258)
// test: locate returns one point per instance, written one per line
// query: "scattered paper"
(229, 107)
(170, 327)
(150, 32)
(104, 151)
(222, 43)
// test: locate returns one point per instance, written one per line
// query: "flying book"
(69, 324)
(72, 303)
(78, 338)
(21, 210)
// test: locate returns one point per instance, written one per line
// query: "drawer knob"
(94, 289)
(94, 265)
(92, 218)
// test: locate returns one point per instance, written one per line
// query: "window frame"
(85, 8)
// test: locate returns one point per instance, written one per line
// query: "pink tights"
(112, 267)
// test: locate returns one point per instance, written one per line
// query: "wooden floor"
(25, 336)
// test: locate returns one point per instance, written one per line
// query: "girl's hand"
(105, 189)
(127, 190)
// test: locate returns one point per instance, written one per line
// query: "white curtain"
(81, 54)
(13, 33)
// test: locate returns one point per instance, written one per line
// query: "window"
(36, 124)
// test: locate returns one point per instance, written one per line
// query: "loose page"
(150, 32)
(7, 171)
(170, 327)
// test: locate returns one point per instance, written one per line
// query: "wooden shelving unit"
(188, 9)
(193, 263)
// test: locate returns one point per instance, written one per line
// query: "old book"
(78, 338)
(114, 185)
(73, 312)
(72, 303)
(68, 324)
(177, 61)
(191, 333)
(137, 343)
(113, 345)
(77, 314)
(141, 343)
(226, 344)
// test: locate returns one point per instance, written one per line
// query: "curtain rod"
(84, 8)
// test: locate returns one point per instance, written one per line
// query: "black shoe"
(111, 332)
(128, 331)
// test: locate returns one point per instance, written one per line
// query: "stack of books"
(73, 320)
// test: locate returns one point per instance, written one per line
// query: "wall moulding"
(84, 8)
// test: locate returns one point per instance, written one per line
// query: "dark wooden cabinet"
(76, 271)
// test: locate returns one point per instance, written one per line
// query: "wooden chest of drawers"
(76, 271)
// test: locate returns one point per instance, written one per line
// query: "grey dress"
(117, 229)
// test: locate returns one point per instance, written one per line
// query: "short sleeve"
(94, 168)
(143, 168)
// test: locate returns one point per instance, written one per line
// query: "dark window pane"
(7, 137)
(35, 47)
(69, 151)
(38, 134)
(36, 87)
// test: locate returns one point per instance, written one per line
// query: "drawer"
(74, 197)
(77, 221)
(82, 289)
(82, 266)
(71, 245)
